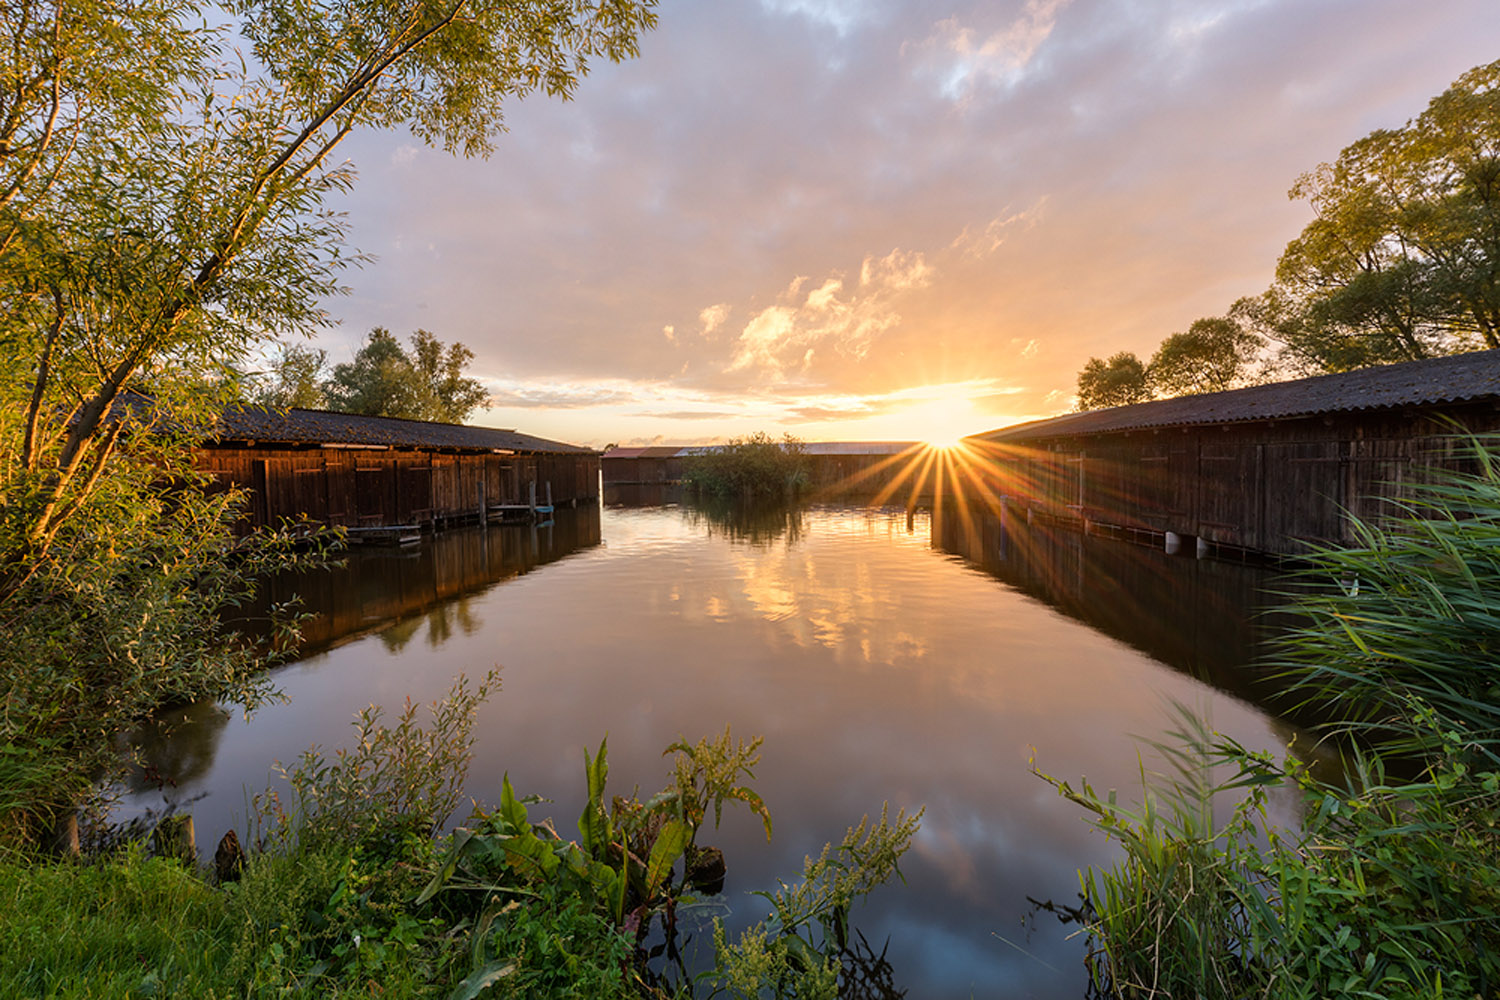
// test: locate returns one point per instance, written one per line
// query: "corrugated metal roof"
(858, 447)
(1452, 379)
(653, 451)
(255, 423)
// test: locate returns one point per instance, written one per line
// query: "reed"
(1390, 884)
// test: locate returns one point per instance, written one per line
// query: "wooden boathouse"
(375, 474)
(1267, 469)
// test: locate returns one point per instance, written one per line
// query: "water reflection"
(761, 524)
(878, 667)
(398, 592)
(1199, 616)
(395, 594)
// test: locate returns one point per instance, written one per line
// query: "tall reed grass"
(1389, 886)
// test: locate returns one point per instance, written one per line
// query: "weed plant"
(1390, 886)
(355, 893)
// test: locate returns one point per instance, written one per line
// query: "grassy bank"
(353, 891)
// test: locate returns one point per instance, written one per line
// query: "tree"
(1211, 356)
(163, 212)
(295, 379)
(384, 380)
(446, 394)
(1402, 259)
(1117, 382)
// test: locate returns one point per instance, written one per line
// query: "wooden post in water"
(532, 501)
(174, 838)
(483, 511)
(65, 836)
(549, 493)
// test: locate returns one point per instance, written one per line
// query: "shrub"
(754, 466)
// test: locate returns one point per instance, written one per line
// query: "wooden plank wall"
(1271, 486)
(366, 488)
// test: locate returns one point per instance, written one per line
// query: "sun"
(942, 423)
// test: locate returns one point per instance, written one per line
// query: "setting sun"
(943, 422)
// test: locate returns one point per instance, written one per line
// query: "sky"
(877, 219)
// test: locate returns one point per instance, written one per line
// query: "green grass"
(128, 926)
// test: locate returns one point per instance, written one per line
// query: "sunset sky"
(877, 219)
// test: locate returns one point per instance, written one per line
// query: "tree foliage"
(1212, 355)
(1119, 381)
(1402, 258)
(163, 211)
(425, 383)
(295, 379)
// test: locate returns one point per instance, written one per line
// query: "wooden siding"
(366, 487)
(1266, 486)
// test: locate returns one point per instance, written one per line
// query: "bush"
(754, 466)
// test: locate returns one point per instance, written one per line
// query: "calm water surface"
(884, 658)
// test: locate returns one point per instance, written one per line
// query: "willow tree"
(1402, 258)
(164, 209)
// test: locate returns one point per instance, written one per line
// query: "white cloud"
(896, 270)
(963, 58)
(993, 234)
(823, 297)
(713, 317)
(786, 336)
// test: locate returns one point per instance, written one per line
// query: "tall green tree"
(425, 383)
(163, 211)
(1402, 258)
(1212, 355)
(295, 379)
(1119, 381)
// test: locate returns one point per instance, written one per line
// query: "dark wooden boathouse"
(363, 472)
(1267, 469)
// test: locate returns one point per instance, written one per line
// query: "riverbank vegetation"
(1390, 886)
(750, 467)
(353, 890)
(1396, 265)
(165, 215)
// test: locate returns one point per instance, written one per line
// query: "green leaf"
(671, 841)
(478, 982)
(594, 827)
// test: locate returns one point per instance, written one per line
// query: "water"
(879, 664)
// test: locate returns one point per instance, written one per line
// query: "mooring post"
(483, 512)
(549, 493)
(532, 501)
(65, 836)
(174, 838)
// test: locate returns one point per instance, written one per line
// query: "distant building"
(835, 468)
